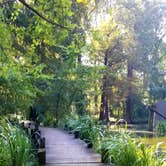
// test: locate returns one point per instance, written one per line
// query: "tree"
(31, 45)
(145, 21)
(110, 44)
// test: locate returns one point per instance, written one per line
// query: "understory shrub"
(89, 131)
(15, 147)
(85, 128)
(69, 123)
(161, 129)
(121, 150)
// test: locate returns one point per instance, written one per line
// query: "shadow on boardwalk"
(63, 150)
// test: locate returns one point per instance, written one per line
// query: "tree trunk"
(128, 109)
(96, 103)
(102, 107)
(111, 114)
(129, 97)
(150, 121)
(104, 115)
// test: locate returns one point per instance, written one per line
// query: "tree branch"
(42, 16)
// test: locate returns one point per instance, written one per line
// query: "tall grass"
(15, 147)
(121, 150)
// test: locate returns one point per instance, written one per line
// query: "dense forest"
(103, 58)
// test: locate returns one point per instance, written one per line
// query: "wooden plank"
(63, 149)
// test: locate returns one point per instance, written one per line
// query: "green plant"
(69, 123)
(121, 150)
(15, 147)
(89, 131)
(104, 150)
(147, 156)
(84, 127)
(72, 124)
(161, 129)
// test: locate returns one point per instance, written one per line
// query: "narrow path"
(63, 150)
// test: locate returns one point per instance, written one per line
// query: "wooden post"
(42, 156)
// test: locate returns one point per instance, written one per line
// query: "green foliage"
(122, 150)
(19, 77)
(161, 129)
(88, 130)
(17, 85)
(45, 64)
(139, 110)
(147, 156)
(15, 147)
(70, 123)
(84, 127)
(26, 46)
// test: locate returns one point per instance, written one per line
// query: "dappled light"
(83, 82)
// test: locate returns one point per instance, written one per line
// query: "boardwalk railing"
(32, 130)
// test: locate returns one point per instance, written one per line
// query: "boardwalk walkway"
(63, 150)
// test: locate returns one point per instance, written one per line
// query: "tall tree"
(145, 20)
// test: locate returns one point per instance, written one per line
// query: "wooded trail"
(62, 149)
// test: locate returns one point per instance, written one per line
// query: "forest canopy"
(106, 58)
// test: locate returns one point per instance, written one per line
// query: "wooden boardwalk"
(63, 150)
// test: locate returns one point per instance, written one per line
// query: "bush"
(161, 129)
(15, 147)
(69, 123)
(84, 127)
(89, 131)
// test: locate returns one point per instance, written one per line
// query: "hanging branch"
(42, 16)
(36, 12)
